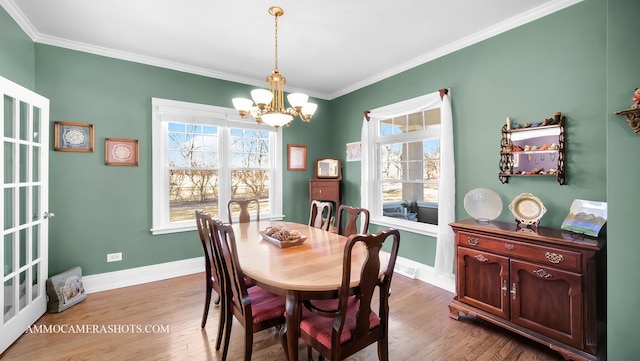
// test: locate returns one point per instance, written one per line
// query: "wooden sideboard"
(539, 283)
(326, 190)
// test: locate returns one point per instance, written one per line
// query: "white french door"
(25, 199)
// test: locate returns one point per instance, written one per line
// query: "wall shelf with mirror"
(533, 151)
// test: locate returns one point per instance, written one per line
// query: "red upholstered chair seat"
(321, 326)
(265, 305)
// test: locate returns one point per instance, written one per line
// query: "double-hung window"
(401, 164)
(204, 156)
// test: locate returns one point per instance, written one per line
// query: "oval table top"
(315, 265)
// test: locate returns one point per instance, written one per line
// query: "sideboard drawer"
(324, 190)
(542, 254)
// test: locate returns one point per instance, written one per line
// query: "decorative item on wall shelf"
(483, 204)
(73, 137)
(297, 157)
(121, 151)
(528, 209)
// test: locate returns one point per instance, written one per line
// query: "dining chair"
(255, 308)
(213, 272)
(243, 204)
(341, 327)
(316, 214)
(348, 218)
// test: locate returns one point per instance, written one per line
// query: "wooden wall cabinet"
(327, 184)
(539, 283)
(326, 190)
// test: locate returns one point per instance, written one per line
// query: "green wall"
(16, 53)
(623, 146)
(103, 209)
(556, 63)
(580, 61)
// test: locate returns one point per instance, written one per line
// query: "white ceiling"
(327, 48)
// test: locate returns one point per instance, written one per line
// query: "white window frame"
(371, 184)
(165, 111)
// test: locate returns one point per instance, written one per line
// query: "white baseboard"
(140, 275)
(157, 272)
(426, 274)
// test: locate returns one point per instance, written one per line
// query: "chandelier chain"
(276, 37)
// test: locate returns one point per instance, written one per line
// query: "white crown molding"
(524, 18)
(22, 21)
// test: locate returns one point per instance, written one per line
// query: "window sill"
(187, 226)
(430, 230)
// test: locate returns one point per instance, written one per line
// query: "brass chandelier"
(269, 108)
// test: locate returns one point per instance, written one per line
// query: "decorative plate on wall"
(483, 204)
(527, 208)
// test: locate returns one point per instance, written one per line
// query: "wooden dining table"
(312, 270)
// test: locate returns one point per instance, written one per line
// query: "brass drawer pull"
(554, 257)
(514, 291)
(505, 288)
(481, 258)
(509, 246)
(472, 241)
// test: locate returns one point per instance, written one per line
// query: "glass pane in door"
(22, 248)
(8, 116)
(36, 125)
(23, 290)
(24, 121)
(35, 282)
(9, 149)
(9, 309)
(22, 206)
(35, 242)
(8, 253)
(35, 203)
(24, 162)
(35, 165)
(9, 221)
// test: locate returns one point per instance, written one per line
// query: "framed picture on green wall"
(297, 157)
(121, 151)
(73, 137)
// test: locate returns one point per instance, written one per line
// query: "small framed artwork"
(73, 137)
(297, 155)
(120, 151)
(354, 151)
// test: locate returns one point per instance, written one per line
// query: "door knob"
(48, 215)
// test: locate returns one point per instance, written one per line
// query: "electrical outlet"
(114, 257)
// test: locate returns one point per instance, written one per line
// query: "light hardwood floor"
(420, 329)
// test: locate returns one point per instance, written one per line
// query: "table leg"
(293, 312)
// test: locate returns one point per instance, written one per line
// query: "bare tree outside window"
(195, 166)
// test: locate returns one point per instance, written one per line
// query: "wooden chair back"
(354, 314)
(214, 272)
(243, 204)
(348, 219)
(316, 214)
(270, 307)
